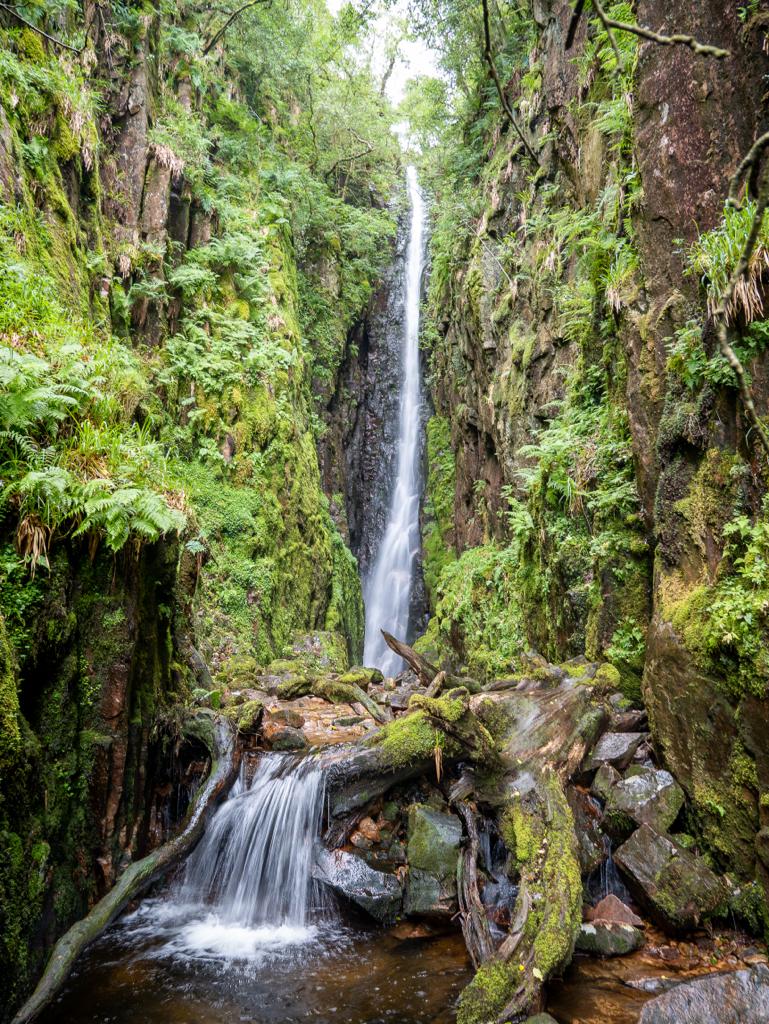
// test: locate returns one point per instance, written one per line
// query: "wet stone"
(605, 778)
(377, 892)
(648, 796)
(616, 749)
(737, 997)
(608, 938)
(677, 887)
(611, 908)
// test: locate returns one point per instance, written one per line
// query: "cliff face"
(179, 279)
(607, 492)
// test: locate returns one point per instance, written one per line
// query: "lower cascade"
(254, 866)
(388, 589)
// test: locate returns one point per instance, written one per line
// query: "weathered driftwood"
(475, 924)
(537, 827)
(421, 666)
(546, 735)
(217, 734)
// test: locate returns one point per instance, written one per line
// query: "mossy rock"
(246, 716)
(295, 686)
(678, 889)
(322, 650)
(434, 839)
(362, 677)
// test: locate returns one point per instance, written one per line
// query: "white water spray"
(388, 588)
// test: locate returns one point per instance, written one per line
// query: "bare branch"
(656, 37)
(489, 58)
(218, 35)
(638, 30)
(51, 39)
(749, 163)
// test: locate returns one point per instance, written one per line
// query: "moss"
(362, 677)
(438, 530)
(410, 738)
(518, 832)
(10, 732)
(748, 903)
(295, 686)
(607, 678)
(488, 993)
(246, 715)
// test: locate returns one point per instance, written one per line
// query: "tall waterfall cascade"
(387, 590)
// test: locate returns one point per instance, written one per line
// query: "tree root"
(216, 733)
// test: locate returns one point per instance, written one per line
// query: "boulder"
(377, 892)
(739, 997)
(605, 778)
(586, 812)
(608, 938)
(611, 908)
(677, 887)
(541, 1018)
(616, 749)
(284, 737)
(434, 838)
(647, 796)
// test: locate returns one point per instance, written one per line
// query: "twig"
(638, 30)
(720, 316)
(749, 162)
(51, 39)
(218, 35)
(489, 57)
(676, 40)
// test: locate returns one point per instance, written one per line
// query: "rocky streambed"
(502, 849)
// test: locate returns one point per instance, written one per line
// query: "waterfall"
(388, 588)
(248, 886)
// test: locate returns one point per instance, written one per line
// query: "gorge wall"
(593, 483)
(183, 255)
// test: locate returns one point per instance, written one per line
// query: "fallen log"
(217, 734)
(538, 830)
(421, 666)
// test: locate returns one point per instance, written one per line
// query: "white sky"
(416, 58)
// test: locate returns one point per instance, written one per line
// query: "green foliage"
(438, 530)
(69, 457)
(726, 625)
(715, 255)
(477, 611)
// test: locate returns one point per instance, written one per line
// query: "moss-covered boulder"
(677, 888)
(362, 677)
(434, 839)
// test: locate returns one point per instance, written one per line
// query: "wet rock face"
(740, 997)
(377, 892)
(651, 797)
(677, 887)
